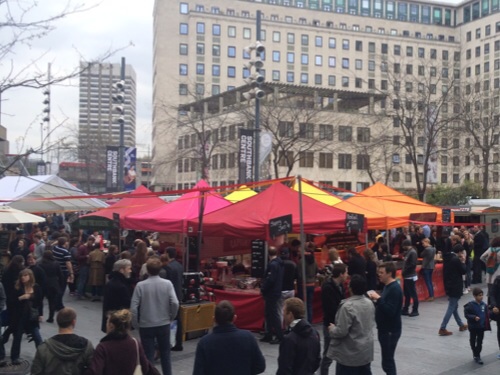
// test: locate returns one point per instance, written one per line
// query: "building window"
(326, 132)
(200, 69)
(290, 57)
(318, 41)
(345, 44)
(276, 75)
(332, 61)
(285, 129)
(362, 162)
(332, 43)
(247, 33)
(231, 71)
(290, 77)
(395, 176)
(200, 89)
(200, 48)
(304, 78)
(346, 185)
(184, 8)
(408, 177)
(325, 160)
(345, 161)
(290, 37)
(304, 39)
(216, 70)
(231, 51)
(363, 134)
(331, 81)
(358, 64)
(183, 49)
(304, 59)
(306, 159)
(345, 133)
(216, 50)
(183, 89)
(345, 81)
(318, 79)
(231, 31)
(276, 56)
(183, 69)
(183, 29)
(345, 63)
(200, 28)
(456, 178)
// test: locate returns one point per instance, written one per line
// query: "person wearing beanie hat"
(410, 277)
(453, 271)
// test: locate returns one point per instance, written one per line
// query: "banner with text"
(112, 153)
(246, 156)
(129, 172)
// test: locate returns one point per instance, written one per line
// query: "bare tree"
(480, 120)
(421, 103)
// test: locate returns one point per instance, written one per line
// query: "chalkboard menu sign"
(258, 258)
(354, 222)
(280, 225)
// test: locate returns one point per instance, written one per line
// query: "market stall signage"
(354, 222)
(280, 225)
(258, 258)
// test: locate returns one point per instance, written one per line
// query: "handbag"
(138, 368)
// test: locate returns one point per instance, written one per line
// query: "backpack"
(491, 262)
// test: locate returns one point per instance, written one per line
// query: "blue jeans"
(428, 280)
(325, 361)
(452, 310)
(162, 336)
(388, 342)
(83, 276)
(15, 350)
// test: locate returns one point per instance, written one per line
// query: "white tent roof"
(21, 192)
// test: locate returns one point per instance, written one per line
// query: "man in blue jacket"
(271, 291)
(228, 350)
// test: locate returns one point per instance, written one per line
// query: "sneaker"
(3, 363)
(463, 328)
(15, 362)
(478, 360)
(465, 291)
(405, 312)
(414, 313)
(444, 332)
(430, 299)
(275, 341)
(266, 338)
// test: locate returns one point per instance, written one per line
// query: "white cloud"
(108, 25)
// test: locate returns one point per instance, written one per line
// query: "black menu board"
(258, 258)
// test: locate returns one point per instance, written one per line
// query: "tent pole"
(388, 241)
(302, 244)
(200, 231)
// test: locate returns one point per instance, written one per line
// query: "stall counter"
(249, 304)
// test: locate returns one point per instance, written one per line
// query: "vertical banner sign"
(111, 168)
(129, 168)
(245, 173)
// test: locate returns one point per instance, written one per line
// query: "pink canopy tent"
(250, 217)
(173, 217)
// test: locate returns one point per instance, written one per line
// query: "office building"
(447, 55)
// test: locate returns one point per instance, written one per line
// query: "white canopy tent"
(23, 193)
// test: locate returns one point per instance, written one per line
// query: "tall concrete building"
(98, 119)
(436, 58)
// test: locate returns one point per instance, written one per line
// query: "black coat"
(331, 295)
(273, 279)
(174, 273)
(300, 350)
(116, 296)
(290, 274)
(356, 266)
(453, 269)
(54, 277)
(22, 309)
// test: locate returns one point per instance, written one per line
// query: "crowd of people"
(143, 289)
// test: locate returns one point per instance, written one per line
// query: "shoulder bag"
(138, 368)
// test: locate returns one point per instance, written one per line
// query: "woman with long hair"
(118, 352)
(54, 280)
(9, 278)
(139, 258)
(29, 298)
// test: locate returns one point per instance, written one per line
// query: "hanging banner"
(112, 168)
(129, 168)
(246, 156)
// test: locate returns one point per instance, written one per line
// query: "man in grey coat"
(352, 341)
(154, 306)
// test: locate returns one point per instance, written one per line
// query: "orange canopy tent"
(386, 208)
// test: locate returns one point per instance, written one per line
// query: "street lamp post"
(255, 80)
(119, 100)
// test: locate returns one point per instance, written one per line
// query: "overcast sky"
(108, 25)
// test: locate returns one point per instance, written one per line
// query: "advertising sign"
(112, 153)
(246, 156)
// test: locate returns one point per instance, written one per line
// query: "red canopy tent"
(173, 217)
(250, 217)
(135, 202)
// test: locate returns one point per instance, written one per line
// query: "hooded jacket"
(453, 269)
(63, 355)
(300, 350)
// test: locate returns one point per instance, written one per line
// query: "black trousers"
(478, 267)
(476, 341)
(410, 292)
(273, 324)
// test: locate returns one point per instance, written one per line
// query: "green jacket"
(62, 355)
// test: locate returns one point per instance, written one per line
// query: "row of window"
(396, 177)
(389, 9)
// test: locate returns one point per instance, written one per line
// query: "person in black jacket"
(481, 244)
(271, 291)
(388, 315)
(9, 279)
(174, 273)
(356, 264)
(290, 274)
(117, 294)
(54, 280)
(332, 293)
(453, 270)
(495, 307)
(409, 274)
(300, 349)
